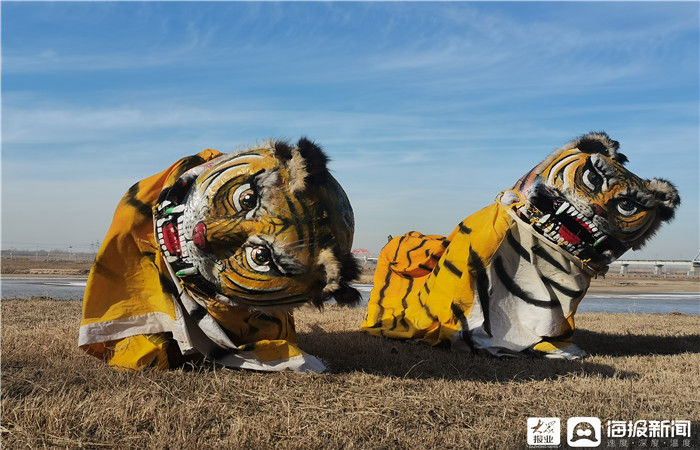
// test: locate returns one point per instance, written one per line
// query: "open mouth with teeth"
(168, 228)
(560, 222)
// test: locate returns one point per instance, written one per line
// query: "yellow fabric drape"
(129, 315)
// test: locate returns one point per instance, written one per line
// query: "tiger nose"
(223, 233)
(199, 235)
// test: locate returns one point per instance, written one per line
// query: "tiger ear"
(316, 160)
(667, 196)
(599, 142)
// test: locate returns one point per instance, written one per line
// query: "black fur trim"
(349, 268)
(283, 151)
(347, 296)
(588, 145)
(317, 296)
(669, 201)
(600, 142)
(315, 159)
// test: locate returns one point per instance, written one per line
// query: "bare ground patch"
(378, 393)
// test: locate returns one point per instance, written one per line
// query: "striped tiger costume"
(206, 259)
(509, 278)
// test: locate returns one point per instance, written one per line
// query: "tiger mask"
(207, 259)
(508, 280)
(268, 228)
(583, 198)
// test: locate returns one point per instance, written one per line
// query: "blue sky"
(427, 110)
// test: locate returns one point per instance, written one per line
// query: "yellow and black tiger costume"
(509, 278)
(206, 259)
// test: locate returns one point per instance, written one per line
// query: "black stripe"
(404, 303)
(382, 291)
(517, 291)
(214, 175)
(445, 243)
(434, 256)
(542, 253)
(478, 271)
(564, 290)
(408, 253)
(517, 247)
(466, 337)
(143, 208)
(566, 335)
(452, 268)
(219, 352)
(167, 285)
(436, 270)
(424, 267)
(309, 226)
(253, 291)
(398, 245)
(427, 309)
(403, 312)
(393, 323)
(292, 299)
(295, 216)
(427, 289)
(464, 229)
(198, 313)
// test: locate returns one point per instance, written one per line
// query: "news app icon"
(583, 432)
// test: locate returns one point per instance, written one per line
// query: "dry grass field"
(378, 393)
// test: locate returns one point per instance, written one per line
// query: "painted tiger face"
(582, 198)
(265, 227)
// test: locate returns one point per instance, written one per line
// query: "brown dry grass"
(23, 265)
(379, 393)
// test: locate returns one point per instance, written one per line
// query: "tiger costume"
(509, 278)
(206, 260)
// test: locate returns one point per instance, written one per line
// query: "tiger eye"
(248, 199)
(261, 255)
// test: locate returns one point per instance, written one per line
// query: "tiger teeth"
(562, 208)
(187, 272)
(544, 218)
(175, 209)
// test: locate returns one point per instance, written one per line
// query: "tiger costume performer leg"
(206, 260)
(509, 278)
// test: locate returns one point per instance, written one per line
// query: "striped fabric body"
(492, 286)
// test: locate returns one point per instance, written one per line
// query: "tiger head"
(584, 199)
(267, 227)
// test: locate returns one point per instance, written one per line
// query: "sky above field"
(427, 111)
